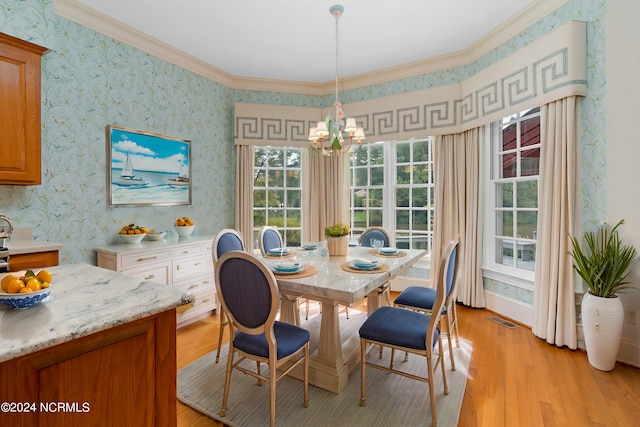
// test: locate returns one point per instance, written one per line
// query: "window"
(515, 164)
(277, 193)
(414, 194)
(392, 186)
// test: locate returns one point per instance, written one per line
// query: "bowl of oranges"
(23, 290)
(132, 233)
(184, 226)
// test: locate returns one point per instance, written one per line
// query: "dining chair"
(409, 331)
(422, 299)
(374, 233)
(366, 240)
(269, 238)
(248, 292)
(226, 240)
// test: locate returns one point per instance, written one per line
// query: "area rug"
(392, 400)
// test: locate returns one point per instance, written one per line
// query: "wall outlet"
(631, 317)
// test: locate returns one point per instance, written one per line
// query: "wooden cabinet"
(124, 376)
(33, 260)
(185, 265)
(20, 107)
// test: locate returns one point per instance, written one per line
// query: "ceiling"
(294, 40)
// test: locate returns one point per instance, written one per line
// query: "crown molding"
(87, 17)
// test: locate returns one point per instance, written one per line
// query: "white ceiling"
(294, 40)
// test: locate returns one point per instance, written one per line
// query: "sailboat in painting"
(127, 176)
(182, 180)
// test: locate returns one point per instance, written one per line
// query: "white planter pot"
(602, 320)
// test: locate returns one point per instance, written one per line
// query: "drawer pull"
(149, 277)
(146, 259)
(205, 282)
(185, 252)
(192, 286)
(205, 300)
(198, 263)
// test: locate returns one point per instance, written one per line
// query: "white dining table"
(330, 365)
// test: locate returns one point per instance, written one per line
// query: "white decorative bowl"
(185, 230)
(24, 300)
(132, 238)
(156, 236)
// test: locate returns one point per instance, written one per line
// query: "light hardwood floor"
(515, 379)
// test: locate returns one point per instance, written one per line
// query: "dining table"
(334, 281)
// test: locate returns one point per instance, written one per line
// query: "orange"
(130, 232)
(34, 284)
(137, 231)
(45, 276)
(25, 290)
(143, 229)
(15, 286)
(180, 222)
(6, 280)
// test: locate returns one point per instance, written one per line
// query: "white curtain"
(244, 194)
(325, 193)
(554, 317)
(459, 208)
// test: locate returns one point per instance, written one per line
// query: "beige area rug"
(392, 400)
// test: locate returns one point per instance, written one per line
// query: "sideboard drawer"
(158, 273)
(191, 267)
(186, 250)
(144, 258)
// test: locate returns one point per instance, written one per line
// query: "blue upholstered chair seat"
(417, 296)
(399, 327)
(289, 339)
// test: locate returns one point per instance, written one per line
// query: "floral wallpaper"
(90, 80)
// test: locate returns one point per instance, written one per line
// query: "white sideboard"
(184, 263)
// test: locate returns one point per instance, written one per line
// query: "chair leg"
(454, 311)
(227, 382)
(305, 365)
(223, 322)
(306, 307)
(432, 389)
(447, 318)
(272, 395)
(363, 365)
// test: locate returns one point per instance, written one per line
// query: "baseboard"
(510, 308)
(629, 353)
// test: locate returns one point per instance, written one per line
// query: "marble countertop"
(17, 247)
(84, 299)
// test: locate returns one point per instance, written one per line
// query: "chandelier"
(336, 134)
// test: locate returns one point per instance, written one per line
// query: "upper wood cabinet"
(20, 151)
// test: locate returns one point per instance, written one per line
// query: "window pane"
(375, 197)
(419, 220)
(259, 216)
(362, 157)
(402, 219)
(509, 165)
(377, 155)
(377, 176)
(375, 217)
(293, 178)
(527, 224)
(526, 256)
(259, 199)
(530, 162)
(293, 198)
(293, 218)
(509, 137)
(403, 153)
(402, 197)
(527, 192)
(362, 179)
(359, 218)
(276, 218)
(276, 178)
(504, 226)
(421, 174)
(504, 194)
(530, 132)
(504, 252)
(403, 174)
(419, 198)
(276, 158)
(293, 158)
(421, 151)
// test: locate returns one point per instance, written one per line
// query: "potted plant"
(337, 239)
(603, 264)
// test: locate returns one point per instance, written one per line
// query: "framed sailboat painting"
(147, 169)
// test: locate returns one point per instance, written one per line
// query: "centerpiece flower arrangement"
(337, 239)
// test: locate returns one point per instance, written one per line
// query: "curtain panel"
(554, 311)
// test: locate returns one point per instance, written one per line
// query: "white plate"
(364, 268)
(278, 251)
(288, 271)
(388, 251)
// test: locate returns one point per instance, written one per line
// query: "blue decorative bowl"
(24, 300)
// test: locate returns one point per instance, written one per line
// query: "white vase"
(602, 320)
